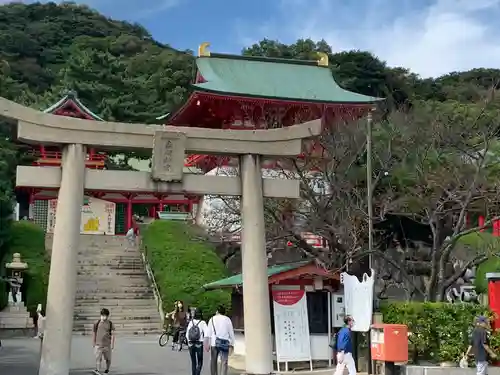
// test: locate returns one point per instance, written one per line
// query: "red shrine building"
(229, 92)
(102, 212)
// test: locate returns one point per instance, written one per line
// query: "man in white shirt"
(219, 340)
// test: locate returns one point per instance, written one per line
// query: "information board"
(291, 326)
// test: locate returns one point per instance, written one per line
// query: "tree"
(433, 167)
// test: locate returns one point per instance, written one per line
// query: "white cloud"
(430, 37)
(137, 10)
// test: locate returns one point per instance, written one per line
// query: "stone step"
(20, 309)
(98, 303)
(110, 262)
(119, 319)
(15, 321)
(82, 259)
(133, 326)
(90, 284)
(108, 253)
(146, 310)
(118, 250)
(121, 295)
(96, 274)
(115, 290)
(111, 245)
(111, 273)
(111, 266)
(123, 332)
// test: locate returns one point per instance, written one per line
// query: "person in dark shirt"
(344, 349)
(479, 345)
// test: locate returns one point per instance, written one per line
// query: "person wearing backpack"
(196, 331)
(103, 341)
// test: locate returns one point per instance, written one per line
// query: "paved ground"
(132, 356)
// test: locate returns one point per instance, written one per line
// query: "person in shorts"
(479, 345)
(104, 341)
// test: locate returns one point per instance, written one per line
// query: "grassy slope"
(28, 239)
(182, 263)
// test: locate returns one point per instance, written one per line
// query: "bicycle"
(169, 332)
(165, 336)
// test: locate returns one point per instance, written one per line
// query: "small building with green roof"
(307, 276)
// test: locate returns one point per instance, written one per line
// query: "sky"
(429, 37)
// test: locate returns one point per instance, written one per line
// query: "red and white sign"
(287, 297)
(291, 326)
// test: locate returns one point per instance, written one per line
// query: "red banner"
(287, 297)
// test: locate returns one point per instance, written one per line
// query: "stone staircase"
(15, 317)
(111, 275)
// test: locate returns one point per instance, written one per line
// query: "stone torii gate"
(169, 145)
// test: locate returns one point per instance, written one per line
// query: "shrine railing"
(57, 156)
(151, 277)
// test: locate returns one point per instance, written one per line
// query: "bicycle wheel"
(163, 340)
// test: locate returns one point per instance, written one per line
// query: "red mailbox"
(389, 342)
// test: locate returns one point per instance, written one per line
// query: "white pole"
(330, 351)
(369, 188)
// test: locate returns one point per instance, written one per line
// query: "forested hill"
(116, 67)
(123, 74)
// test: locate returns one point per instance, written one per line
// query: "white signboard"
(291, 326)
(98, 216)
(359, 299)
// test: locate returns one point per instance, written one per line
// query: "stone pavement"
(138, 355)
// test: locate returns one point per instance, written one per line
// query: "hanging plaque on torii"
(168, 156)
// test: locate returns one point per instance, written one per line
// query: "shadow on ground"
(19, 359)
(133, 356)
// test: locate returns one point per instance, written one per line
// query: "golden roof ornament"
(323, 59)
(203, 49)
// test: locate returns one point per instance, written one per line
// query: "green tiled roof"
(71, 95)
(273, 78)
(237, 280)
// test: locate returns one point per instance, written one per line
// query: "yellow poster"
(98, 216)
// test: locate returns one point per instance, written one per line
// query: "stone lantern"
(16, 270)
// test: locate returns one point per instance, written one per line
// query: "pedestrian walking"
(344, 349)
(219, 341)
(131, 237)
(196, 332)
(479, 345)
(103, 341)
(40, 322)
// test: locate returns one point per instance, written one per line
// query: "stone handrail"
(151, 278)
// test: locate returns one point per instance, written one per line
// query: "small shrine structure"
(320, 287)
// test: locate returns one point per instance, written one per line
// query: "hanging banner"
(98, 216)
(291, 326)
(359, 299)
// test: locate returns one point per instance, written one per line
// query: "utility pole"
(369, 188)
(369, 195)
